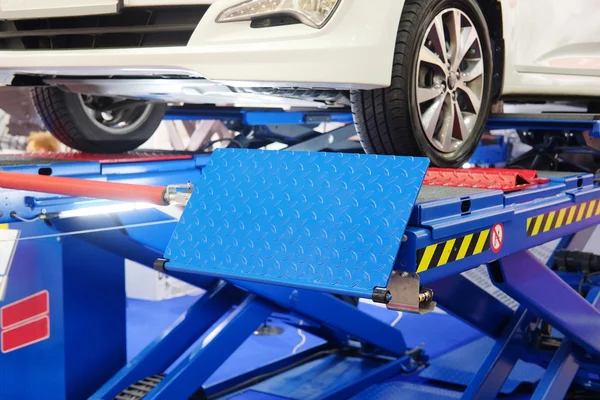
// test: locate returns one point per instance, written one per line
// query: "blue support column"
(168, 347)
(87, 342)
(189, 375)
(489, 379)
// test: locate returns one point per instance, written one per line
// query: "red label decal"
(497, 237)
(25, 309)
(26, 334)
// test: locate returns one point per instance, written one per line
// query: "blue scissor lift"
(559, 141)
(299, 236)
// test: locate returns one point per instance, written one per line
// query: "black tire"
(64, 116)
(140, 389)
(387, 120)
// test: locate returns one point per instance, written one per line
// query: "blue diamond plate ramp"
(325, 221)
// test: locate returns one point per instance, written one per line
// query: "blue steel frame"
(330, 317)
(254, 117)
(327, 316)
(280, 117)
(516, 273)
(532, 123)
(527, 218)
(492, 154)
(443, 220)
(159, 173)
(541, 292)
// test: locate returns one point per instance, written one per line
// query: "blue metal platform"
(290, 236)
(449, 231)
(311, 220)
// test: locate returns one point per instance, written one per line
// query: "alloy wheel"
(115, 116)
(449, 76)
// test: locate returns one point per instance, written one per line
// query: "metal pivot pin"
(404, 293)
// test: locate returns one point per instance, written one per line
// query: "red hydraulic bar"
(84, 188)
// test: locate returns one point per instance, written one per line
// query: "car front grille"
(131, 27)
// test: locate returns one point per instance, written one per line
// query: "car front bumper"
(353, 51)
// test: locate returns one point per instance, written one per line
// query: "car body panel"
(21, 9)
(354, 50)
(552, 47)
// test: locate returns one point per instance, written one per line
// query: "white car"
(419, 75)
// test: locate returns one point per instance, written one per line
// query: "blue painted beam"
(189, 375)
(489, 379)
(563, 368)
(167, 348)
(465, 300)
(546, 295)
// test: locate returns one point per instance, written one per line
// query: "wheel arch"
(492, 11)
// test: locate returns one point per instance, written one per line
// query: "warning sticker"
(27, 334)
(25, 321)
(497, 237)
(26, 308)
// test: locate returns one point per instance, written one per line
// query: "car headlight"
(313, 13)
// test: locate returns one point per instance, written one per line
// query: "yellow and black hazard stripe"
(438, 254)
(563, 217)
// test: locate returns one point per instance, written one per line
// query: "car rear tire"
(437, 105)
(76, 121)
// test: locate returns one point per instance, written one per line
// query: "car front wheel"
(96, 124)
(440, 93)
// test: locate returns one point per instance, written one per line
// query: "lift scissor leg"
(326, 316)
(165, 350)
(564, 366)
(221, 342)
(334, 313)
(543, 294)
(496, 368)
(559, 375)
(547, 296)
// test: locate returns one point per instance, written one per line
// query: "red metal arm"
(83, 188)
(508, 180)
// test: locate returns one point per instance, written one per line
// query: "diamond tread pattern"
(325, 221)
